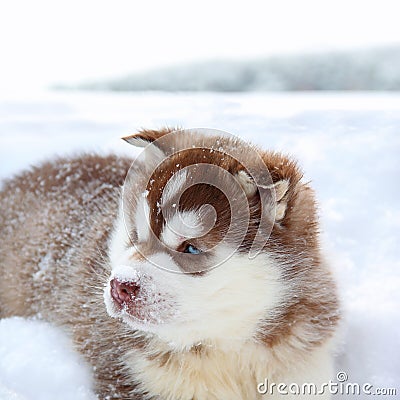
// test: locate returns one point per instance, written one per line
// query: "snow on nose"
(123, 293)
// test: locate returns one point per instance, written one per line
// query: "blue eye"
(191, 249)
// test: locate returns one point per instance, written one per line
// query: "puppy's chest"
(199, 375)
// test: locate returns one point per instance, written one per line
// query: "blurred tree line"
(373, 69)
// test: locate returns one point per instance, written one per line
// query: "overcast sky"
(47, 41)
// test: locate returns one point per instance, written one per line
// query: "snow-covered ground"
(36, 362)
(349, 146)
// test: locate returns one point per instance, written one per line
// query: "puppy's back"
(52, 218)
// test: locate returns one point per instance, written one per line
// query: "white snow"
(348, 145)
(37, 363)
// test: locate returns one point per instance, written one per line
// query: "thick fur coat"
(161, 311)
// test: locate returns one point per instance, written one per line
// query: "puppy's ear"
(147, 136)
(158, 150)
(281, 190)
(277, 191)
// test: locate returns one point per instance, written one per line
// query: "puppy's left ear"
(279, 193)
(281, 190)
(147, 136)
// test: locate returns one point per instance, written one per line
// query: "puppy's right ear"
(147, 136)
(155, 150)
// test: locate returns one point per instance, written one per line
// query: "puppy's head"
(209, 227)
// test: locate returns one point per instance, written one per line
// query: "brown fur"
(294, 240)
(42, 213)
(55, 224)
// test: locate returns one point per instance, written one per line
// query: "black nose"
(123, 292)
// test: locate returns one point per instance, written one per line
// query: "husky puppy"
(193, 273)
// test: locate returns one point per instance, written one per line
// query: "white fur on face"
(226, 304)
(174, 186)
(181, 226)
(143, 220)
